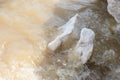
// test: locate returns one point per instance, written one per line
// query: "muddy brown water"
(27, 26)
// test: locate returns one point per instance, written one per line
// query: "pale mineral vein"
(68, 29)
(85, 44)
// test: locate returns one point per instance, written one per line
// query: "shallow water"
(27, 26)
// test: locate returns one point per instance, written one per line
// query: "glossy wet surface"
(27, 26)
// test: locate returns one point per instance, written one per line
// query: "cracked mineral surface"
(59, 39)
(114, 9)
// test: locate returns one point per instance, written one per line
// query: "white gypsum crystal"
(69, 30)
(114, 9)
(85, 44)
(118, 28)
(75, 4)
(68, 5)
(88, 1)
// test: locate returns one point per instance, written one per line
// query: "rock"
(85, 44)
(114, 9)
(88, 1)
(68, 5)
(75, 4)
(118, 29)
(69, 30)
(108, 55)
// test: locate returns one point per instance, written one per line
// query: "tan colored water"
(22, 40)
(25, 32)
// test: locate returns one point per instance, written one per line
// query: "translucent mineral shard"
(85, 44)
(69, 31)
(88, 1)
(114, 9)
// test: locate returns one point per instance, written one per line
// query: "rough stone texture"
(66, 4)
(88, 1)
(69, 30)
(118, 29)
(114, 9)
(73, 4)
(85, 44)
(38, 24)
(65, 62)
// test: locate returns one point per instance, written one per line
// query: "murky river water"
(27, 26)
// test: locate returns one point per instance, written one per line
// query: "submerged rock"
(114, 9)
(68, 5)
(85, 44)
(75, 4)
(118, 29)
(69, 31)
(88, 1)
